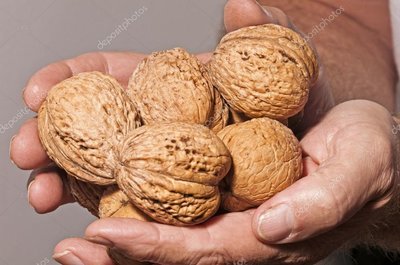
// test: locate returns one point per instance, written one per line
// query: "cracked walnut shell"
(266, 159)
(81, 122)
(171, 171)
(264, 71)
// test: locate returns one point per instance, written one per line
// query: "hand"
(26, 150)
(351, 179)
(349, 187)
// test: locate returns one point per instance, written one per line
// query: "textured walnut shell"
(114, 203)
(171, 171)
(86, 194)
(172, 86)
(264, 71)
(266, 158)
(82, 120)
(220, 116)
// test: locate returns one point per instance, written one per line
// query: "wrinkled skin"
(349, 167)
(332, 181)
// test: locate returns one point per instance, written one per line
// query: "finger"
(309, 166)
(118, 64)
(213, 242)
(204, 57)
(323, 200)
(26, 150)
(77, 251)
(46, 189)
(244, 13)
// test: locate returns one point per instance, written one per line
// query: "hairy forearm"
(354, 48)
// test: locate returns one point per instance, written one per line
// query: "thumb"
(326, 198)
(243, 13)
(144, 241)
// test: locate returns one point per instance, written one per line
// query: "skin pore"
(355, 47)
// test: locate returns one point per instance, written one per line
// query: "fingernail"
(267, 11)
(9, 149)
(100, 240)
(28, 193)
(276, 223)
(67, 258)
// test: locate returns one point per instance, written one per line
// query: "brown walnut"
(82, 121)
(264, 71)
(171, 171)
(88, 195)
(171, 86)
(220, 116)
(115, 203)
(266, 158)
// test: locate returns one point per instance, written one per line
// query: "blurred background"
(36, 33)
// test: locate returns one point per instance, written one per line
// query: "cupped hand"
(26, 150)
(350, 159)
(46, 190)
(350, 186)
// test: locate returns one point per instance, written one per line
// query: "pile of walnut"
(185, 138)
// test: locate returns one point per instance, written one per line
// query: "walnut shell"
(266, 158)
(220, 116)
(171, 171)
(82, 120)
(264, 71)
(114, 203)
(86, 194)
(236, 117)
(172, 86)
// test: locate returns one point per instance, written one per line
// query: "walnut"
(172, 85)
(115, 203)
(86, 194)
(220, 116)
(82, 121)
(264, 71)
(171, 171)
(266, 158)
